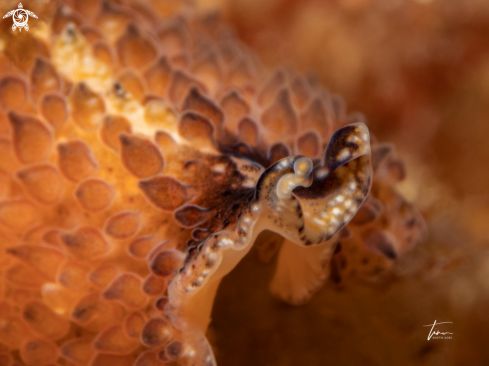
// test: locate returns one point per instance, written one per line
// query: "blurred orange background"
(419, 72)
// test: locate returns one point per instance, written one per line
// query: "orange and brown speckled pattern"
(137, 146)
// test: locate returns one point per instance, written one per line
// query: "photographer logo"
(436, 333)
(20, 17)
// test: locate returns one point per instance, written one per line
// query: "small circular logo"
(20, 18)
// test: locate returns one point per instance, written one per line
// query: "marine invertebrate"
(144, 154)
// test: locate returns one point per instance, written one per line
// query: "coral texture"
(144, 150)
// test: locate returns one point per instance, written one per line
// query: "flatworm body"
(143, 150)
